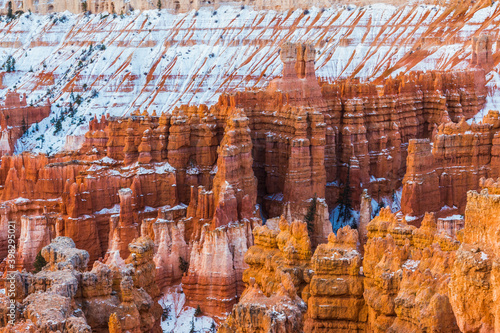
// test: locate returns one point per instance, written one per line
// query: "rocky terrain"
(96, 64)
(241, 169)
(66, 297)
(408, 280)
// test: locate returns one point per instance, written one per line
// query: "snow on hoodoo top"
(154, 60)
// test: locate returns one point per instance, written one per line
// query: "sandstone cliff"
(79, 63)
(66, 297)
(440, 172)
(474, 285)
(16, 117)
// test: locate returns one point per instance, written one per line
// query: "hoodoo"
(249, 167)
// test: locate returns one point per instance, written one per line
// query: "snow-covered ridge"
(155, 60)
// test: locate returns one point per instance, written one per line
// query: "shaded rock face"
(213, 281)
(118, 187)
(66, 297)
(36, 232)
(400, 285)
(481, 52)
(439, 173)
(16, 116)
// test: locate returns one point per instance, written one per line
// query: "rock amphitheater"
(249, 166)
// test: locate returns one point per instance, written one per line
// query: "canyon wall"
(65, 296)
(439, 173)
(90, 65)
(319, 139)
(300, 138)
(184, 180)
(16, 117)
(182, 195)
(400, 285)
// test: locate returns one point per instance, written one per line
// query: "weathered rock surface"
(439, 173)
(16, 116)
(66, 297)
(275, 278)
(407, 271)
(214, 279)
(401, 284)
(312, 138)
(474, 285)
(335, 293)
(191, 181)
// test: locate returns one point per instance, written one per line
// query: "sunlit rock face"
(65, 296)
(474, 286)
(407, 271)
(399, 285)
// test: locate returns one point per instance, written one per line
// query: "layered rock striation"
(474, 285)
(440, 172)
(16, 117)
(400, 285)
(198, 180)
(66, 297)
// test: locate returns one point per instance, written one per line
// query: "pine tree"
(71, 109)
(58, 125)
(192, 326)
(213, 329)
(345, 201)
(309, 218)
(39, 263)
(183, 265)
(158, 4)
(10, 64)
(197, 312)
(10, 14)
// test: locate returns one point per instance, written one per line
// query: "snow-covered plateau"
(155, 60)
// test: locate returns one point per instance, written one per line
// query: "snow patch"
(113, 210)
(179, 318)
(452, 217)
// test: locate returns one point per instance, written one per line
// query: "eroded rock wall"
(440, 172)
(65, 296)
(16, 117)
(474, 286)
(400, 285)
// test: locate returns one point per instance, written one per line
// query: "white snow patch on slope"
(156, 60)
(181, 318)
